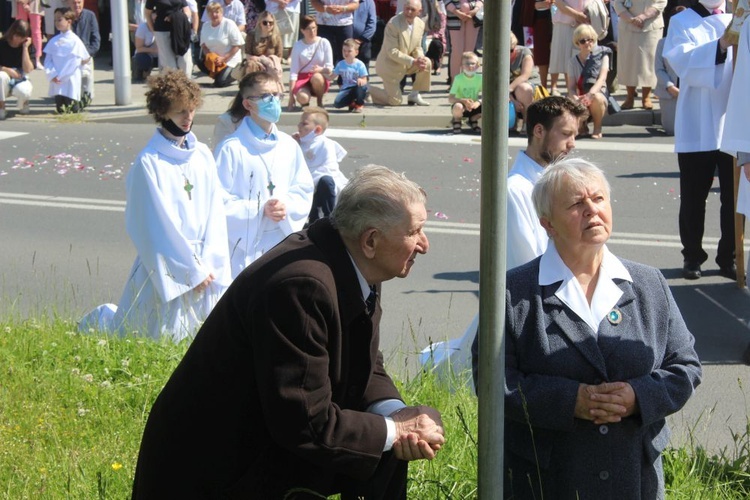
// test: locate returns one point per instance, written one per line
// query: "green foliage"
(71, 113)
(73, 407)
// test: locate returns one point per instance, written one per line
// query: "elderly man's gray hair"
(375, 197)
(579, 171)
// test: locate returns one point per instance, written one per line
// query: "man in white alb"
(552, 125)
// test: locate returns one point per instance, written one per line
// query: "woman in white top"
(311, 63)
(221, 42)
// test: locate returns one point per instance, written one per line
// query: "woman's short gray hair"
(375, 197)
(577, 170)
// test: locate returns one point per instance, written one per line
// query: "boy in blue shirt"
(353, 73)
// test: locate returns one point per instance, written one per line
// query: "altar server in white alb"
(323, 156)
(65, 56)
(175, 217)
(702, 59)
(552, 125)
(264, 172)
(736, 139)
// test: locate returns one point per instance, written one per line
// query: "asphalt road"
(64, 250)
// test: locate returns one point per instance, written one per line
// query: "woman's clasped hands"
(608, 402)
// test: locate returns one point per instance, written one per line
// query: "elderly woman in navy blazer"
(597, 355)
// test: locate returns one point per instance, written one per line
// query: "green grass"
(73, 407)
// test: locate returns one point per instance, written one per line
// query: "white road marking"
(581, 145)
(432, 227)
(10, 135)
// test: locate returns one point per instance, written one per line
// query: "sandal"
(475, 127)
(456, 126)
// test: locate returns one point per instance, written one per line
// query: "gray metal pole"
(496, 76)
(121, 52)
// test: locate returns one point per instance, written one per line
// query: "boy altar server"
(323, 156)
(175, 217)
(263, 170)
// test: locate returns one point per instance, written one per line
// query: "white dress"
(175, 218)
(253, 171)
(526, 240)
(64, 56)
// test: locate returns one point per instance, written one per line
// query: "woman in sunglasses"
(263, 47)
(587, 77)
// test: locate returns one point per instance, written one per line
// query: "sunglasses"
(583, 41)
(267, 23)
(265, 97)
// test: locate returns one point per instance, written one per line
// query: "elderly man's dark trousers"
(387, 483)
(696, 177)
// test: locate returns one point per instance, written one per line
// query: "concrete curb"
(216, 101)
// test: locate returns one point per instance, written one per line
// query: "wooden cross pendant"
(270, 187)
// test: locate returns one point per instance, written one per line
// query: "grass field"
(73, 407)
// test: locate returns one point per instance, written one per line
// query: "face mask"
(469, 73)
(173, 129)
(712, 4)
(270, 111)
(308, 138)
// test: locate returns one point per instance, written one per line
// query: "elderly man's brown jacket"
(272, 393)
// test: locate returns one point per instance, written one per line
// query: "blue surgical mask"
(270, 111)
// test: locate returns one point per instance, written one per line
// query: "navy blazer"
(550, 351)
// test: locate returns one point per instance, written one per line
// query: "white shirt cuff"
(387, 407)
(391, 436)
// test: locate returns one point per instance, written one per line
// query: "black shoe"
(691, 271)
(729, 272)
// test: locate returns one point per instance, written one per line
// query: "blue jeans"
(350, 95)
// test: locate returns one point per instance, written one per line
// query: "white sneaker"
(25, 109)
(3, 114)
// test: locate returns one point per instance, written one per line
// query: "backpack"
(599, 15)
(180, 31)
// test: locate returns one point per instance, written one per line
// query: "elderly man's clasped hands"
(605, 403)
(419, 433)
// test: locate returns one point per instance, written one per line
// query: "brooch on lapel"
(614, 316)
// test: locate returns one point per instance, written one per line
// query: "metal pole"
(496, 76)
(121, 52)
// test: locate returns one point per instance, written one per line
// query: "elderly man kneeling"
(402, 55)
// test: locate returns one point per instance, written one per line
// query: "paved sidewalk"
(216, 101)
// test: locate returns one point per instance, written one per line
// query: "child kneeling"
(322, 156)
(353, 73)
